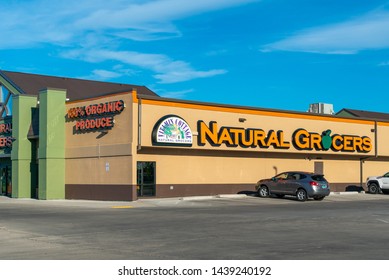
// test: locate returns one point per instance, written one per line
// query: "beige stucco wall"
(88, 154)
(181, 169)
(173, 169)
(103, 170)
(383, 138)
(374, 168)
(234, 165)
(342, 171)
(97, 158)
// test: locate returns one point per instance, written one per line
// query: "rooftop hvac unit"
(321, 108)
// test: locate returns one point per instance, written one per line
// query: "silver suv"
(378, 184)
(303, 185)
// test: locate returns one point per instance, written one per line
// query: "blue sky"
(277, 54)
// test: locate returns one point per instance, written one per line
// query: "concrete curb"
(231, 196)
(205, 197)
(347, 193)
(188, 198)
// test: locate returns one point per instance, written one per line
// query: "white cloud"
(105, 74)
(384, 63)
(174, 94)
(138, 13)
(117, 71)
(83, 26)
(187, 74)
(364, 33)
(27, 23)
(166, 69)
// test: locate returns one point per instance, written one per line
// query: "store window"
(5, 102)
(5, 179)
(146, 178)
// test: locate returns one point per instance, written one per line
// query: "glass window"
(5, 102)
(282, 176)
(318, 178)
(146, 182)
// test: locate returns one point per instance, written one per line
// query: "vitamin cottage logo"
(172, 130)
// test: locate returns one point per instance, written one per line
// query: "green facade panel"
(51, 151)
(52, 117)
(51, 179)
(21, 154)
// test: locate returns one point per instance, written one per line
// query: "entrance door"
(5, 180)
(146, 178)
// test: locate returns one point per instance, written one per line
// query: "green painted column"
(21, 147)
(51, 151)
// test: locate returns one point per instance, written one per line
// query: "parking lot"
(342, 226)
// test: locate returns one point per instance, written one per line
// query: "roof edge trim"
(9, 84)
(254, 110)
(100, 97)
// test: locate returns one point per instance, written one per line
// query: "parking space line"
(386, 222)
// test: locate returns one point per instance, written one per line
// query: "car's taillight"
(314, 184)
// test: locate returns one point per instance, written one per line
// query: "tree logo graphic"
(326, 139)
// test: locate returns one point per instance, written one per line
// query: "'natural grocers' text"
(301, 139)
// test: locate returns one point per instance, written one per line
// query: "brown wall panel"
(346, 187)
(178, 190)
(101, 192)
(128, 193)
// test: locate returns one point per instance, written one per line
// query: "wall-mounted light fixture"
(102, 134)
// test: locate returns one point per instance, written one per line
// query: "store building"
(77, 139)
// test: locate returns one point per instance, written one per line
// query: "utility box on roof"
(321, 108)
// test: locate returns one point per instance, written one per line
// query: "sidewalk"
(144, 202)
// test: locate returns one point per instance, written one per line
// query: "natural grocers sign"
(6, 138)
(301, 139)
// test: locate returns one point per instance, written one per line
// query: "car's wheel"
(319, 198)
(373, 188)
(301, 195)
(263, 191)
(280, 195)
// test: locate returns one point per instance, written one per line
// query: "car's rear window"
(318, 178)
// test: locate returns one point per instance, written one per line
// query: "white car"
(378, 184)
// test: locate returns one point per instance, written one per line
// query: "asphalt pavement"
(342, 226)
